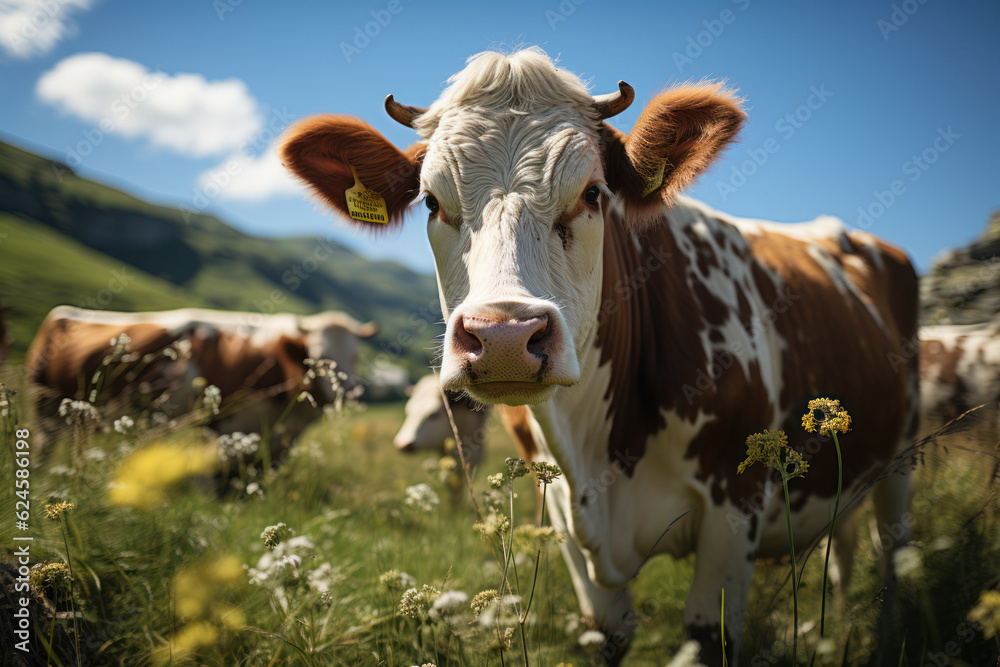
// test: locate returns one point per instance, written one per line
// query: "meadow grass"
(183, 581)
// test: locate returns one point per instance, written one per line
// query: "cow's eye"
(432, 204)
(592, 194)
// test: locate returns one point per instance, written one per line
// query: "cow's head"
(517, 170)
(427, 427)
(334, 335)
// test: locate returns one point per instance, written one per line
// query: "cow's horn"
(402, 113)
(608, 105)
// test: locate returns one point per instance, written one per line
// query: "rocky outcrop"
(963, 285)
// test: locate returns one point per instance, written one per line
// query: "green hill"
(64, 237)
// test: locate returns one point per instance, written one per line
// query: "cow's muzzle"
(508, 353)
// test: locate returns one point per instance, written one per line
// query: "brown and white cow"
(960, 370)
(256, 361)
(648, 334)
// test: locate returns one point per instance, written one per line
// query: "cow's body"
(647, 334)
(959, 371)
(256, 361)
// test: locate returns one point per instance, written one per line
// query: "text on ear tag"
(365, 204)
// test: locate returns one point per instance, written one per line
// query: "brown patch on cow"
(704, 252)
(650, 334)
(835, 347)
(936, 355)
(654, 344)
(321, 150)
(237, 366)
(517, 423)
(65, 353)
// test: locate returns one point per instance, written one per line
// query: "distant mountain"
(67, 239)
(963, 285)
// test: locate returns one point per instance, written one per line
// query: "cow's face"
(518, 173)
(335, 335)
(516, 223)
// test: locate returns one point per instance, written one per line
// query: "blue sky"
(886, 108)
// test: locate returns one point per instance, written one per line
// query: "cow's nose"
(507, 340)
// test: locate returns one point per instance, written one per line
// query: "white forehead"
(524, 82)
(509, 124)
(426, 397)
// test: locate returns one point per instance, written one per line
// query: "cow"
(427, 427)
(959, 371)
(646, 333)
(258, 362)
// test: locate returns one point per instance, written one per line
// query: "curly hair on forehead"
(526, 80)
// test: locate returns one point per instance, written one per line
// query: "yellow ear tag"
(654, 183)
(364, 204)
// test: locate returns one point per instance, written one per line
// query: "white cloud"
(33, 27)
(249, 178)
(184, 112)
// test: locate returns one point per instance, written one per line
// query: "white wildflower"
(322, 579)
(237, 446)
(212, 398)
(591, 637)
(501, 610)
(421, 497)
(395, 580)
(79, 413)
(908, 562)
(448, 603)
(124, 425)
(687, 656)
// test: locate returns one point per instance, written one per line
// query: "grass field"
(166, 572)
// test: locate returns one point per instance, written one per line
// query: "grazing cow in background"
(647, 334)
(960, 370)
(257, 362)
(427, 427)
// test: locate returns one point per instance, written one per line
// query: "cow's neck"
(649, 334)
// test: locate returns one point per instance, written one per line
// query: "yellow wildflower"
(835, 418)
(143, 479)
(771, 448)
(55, 511)
(986, 613)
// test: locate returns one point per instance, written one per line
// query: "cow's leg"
(609, 611)
(726, 552)
(892, 502)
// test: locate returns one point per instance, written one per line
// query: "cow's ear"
(677, 136)
(327, 152)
